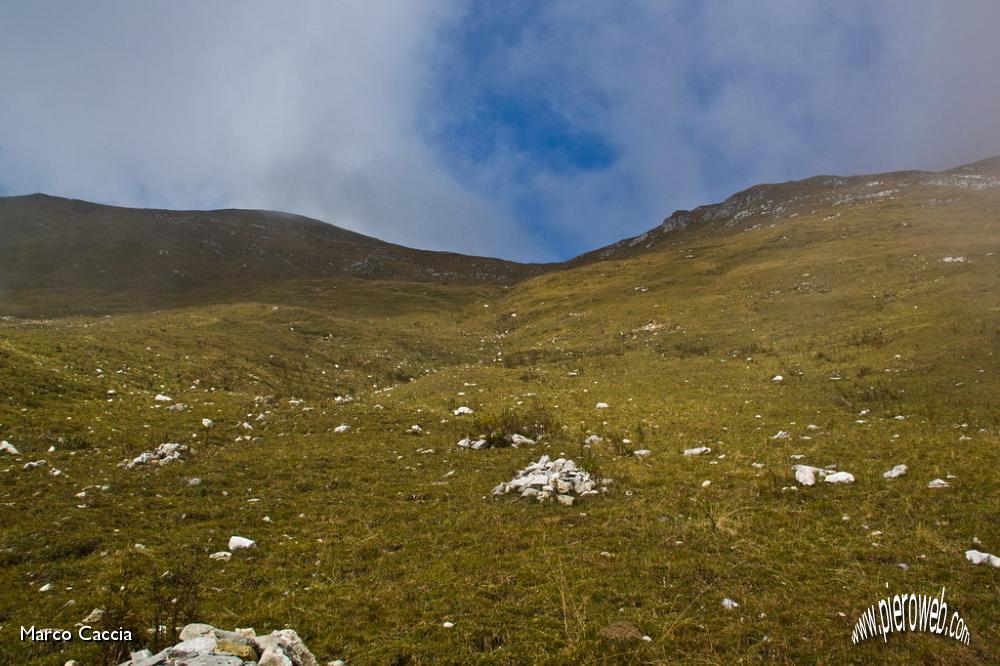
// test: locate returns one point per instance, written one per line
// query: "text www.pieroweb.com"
(910, 612)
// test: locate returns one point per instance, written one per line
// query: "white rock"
(207, 423)
(781, 434)
(200, 645)
(895, 472)
(777, 378)
(464, 443)
(706, 483)
(729, 604)
(163, 398)
(602, 405)
(805, 474)
(448, 625)
(517, 440)
(697, 451)
(461, 411)
(642, 453)
(240, 543)
(94, 617)
(45, 588)
(978, 557)
(274, 656)
(840, 477)
(7, 447)
(222, 555)
(343, 427)
(938, 483)
(33, 464)
(480, 444)
(195, 630)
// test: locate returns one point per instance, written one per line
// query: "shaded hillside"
(60, 255)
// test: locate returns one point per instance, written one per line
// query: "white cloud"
(322, 108)
(310, 108)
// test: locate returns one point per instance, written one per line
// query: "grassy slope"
(372, 544)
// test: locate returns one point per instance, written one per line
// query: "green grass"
(373, 543)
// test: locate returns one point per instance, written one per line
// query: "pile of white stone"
(165, 453)
(204, 645)
(557, 480)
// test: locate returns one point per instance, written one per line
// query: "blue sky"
(527, 130)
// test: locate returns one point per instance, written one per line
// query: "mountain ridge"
(62, 255)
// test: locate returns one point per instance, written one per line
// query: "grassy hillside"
(874, 298)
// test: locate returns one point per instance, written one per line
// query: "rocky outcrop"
(204, 645)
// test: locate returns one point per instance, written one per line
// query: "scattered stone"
(222, 555)
(777, 378)
(178, 407)
(706, 483)
(557, 480)
(839, 477)
(517, 440)
(602, 405)
(207, 423)
(163, 398)
(461, 411)
(895, 472)
(806, 474)
(697, 451)
(938, 483)
(781, 434)
(593, 439)
(447, 625)
(241, 543)
(343, 427)
(94, 617)
(978, 557)
(34, 464)
(729, 604)
(415, 429)
(7, 447)
(45, 588)
(642, 453)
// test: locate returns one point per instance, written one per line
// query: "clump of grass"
(496, 428)
(868, 337)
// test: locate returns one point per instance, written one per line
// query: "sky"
(526, 130)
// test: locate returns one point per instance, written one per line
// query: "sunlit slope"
(857, 327)
(823, 296)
